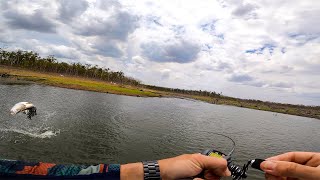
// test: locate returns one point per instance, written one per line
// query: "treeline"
(32, 60)
(184, 91)
(218, 98)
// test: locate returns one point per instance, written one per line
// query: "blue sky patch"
(269, 47)
(303, 38)
(220, 36)
(208, 27)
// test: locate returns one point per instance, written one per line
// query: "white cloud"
(245, 48)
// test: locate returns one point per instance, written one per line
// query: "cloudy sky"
(268, 50)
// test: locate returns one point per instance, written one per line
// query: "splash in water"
(38, 128)
(42, 135)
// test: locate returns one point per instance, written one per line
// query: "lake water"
(83, 127)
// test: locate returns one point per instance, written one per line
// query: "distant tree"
(32, 60)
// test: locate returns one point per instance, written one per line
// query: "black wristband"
(151, 170)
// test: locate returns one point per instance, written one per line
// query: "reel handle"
(256, 163)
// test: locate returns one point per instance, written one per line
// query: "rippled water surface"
(86, 127)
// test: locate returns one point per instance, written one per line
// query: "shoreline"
(23, 76)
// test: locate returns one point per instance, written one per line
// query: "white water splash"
(35, 128)
(46, 134)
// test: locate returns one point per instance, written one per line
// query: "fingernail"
(269, 165)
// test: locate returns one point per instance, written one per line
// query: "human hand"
(293, 166)
(190, 165)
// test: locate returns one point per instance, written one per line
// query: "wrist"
(151, 170)
(131, 171)
(163, 164)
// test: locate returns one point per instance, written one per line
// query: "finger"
(298, 157)
(198, 179)
(290, 169)
(314, 161)
(216, 165)
(306, 158)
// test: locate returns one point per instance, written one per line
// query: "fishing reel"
(237, 172)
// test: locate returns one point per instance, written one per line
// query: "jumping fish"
(25, 107)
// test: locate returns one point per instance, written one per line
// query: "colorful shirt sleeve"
(22, 169)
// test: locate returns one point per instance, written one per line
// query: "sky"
(254, 49)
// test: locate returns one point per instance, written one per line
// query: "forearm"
(131, 171)
(183, 166)
(13, 168)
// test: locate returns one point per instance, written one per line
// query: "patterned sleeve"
(23, 170)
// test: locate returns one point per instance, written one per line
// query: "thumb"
(290, 169)
(217, 165)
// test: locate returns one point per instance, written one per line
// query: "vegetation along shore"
(28, 66)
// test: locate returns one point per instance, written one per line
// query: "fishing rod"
(237, 172)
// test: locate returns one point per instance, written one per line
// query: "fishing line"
(237, 172)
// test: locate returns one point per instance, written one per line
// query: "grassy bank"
(74, 82)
